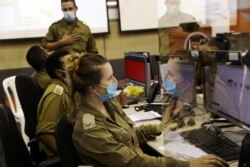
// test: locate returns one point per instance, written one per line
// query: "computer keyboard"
(213, 143)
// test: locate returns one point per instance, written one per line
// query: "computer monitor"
(137, 69)
(231, 94)
(221, 56)
(183, 76)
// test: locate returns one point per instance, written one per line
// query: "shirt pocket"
(83, 40)
(123, 136)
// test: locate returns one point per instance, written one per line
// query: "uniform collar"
(112, 109)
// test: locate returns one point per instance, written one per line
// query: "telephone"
(153, 91)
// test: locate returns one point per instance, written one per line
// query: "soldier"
(36, 57)
(54, 102)
(171, 34)
(69, 33)
(103, 135)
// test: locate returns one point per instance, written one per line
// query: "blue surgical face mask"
(169, 86)
(111, 91)
(69, 16)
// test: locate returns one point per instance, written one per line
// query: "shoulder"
(83, 25)
(55, 89)
(88, 121)
(56, 23)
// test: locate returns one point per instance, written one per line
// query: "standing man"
(69, 33)
(55, 101)
(171, 35)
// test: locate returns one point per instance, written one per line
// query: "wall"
(112, 45)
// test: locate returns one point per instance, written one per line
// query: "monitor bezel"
(240, 56)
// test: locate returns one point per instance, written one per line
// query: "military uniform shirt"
(169, 45)
(114, 142)
(42, 78)
(55, 101)
(85, 43)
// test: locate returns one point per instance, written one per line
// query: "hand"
(177, 33)
(122, 98)
(69, 39)
(166, 117)
(207, 161)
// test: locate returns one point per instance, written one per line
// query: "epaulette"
(58, 21)
(58, 90)
(88, 121)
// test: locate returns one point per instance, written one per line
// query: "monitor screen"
(231, 94)
(31, 19)
(182, 74)
(137, 69)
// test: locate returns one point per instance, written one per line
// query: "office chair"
(244, 160)
(29, 94)
(193, 36)
(66, 149)
(14, 104)
(15, 151)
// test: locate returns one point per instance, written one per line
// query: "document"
(144, 116)
(183, 150)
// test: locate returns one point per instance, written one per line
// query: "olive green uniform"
(114, 142)
(42, 79)
(85, 42)
(55, 101)
(170, 45)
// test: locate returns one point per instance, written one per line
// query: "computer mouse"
(214, 129)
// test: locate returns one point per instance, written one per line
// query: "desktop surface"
(160, 142)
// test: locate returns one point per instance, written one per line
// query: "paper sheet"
(144, 116)
(183, 150)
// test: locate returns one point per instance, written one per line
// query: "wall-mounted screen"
(146, 14)
(32, 18)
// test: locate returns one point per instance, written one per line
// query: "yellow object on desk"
(133, 91)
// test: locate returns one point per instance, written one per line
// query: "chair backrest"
(245, 151)
(29, 94)
(65, 147)
(15, 150)
(9, 87)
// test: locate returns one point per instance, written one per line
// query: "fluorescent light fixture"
(111, 3)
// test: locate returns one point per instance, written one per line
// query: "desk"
(159, 141)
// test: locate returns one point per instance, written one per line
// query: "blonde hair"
(84, 71)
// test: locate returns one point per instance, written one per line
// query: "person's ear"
(92, 88)
(58, 73)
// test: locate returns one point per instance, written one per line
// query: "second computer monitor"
(137, 69)
(231, 94)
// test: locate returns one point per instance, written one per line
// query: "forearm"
(49, 141)
(54, 45)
